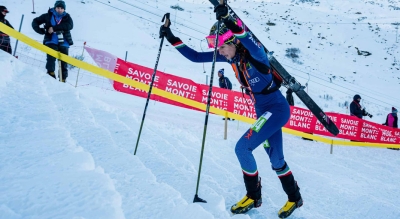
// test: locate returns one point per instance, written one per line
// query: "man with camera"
(57, 26)
(356, 109)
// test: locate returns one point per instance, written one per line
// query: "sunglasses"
(225, 38)
(222, 39)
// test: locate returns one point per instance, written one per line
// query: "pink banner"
(103, 59)
(350, 127)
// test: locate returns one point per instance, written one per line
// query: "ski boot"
(253, 197)
(292, 190)
(51, 73)
(289, 207)
(245, 205)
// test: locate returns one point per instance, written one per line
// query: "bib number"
(261, 121)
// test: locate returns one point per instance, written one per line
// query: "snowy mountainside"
(316, 41)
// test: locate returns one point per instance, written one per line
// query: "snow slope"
(68, 153)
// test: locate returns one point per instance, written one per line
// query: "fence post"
(59, 71)
(77, 75)
(226, 126)
(16, 43)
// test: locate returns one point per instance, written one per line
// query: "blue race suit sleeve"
(253, 46)
(195, 56)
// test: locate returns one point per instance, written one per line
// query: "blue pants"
(268, 132)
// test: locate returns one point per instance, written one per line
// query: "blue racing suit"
(272, 109)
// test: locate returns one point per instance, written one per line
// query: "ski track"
(124, 168)
(35, 192)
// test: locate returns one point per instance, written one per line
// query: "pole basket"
(198, 199)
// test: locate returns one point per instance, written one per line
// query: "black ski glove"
(221, 12)
(167, 33)
(231, 24)
(42, 31)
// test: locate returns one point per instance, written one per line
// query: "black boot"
(51, 73)
(253, 197)
(292, 190)
(253, 186)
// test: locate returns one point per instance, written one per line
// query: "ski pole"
(83, 50)
(33, 6)
(196, 196)
(166, 24)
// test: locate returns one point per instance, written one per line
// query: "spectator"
(356, 109)
(392, 119)
(4, 38)
(289, 97)
(57, 35)
(224, 82)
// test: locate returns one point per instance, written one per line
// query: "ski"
(290, 82)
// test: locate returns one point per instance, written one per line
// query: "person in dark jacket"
(392, 119)
(224, 82)
(4, 38)
(355, 107)
(57, 26)
(252, 69)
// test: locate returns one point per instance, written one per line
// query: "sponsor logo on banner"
(219, 99)
(369, 132)
(140, 76)
(181, 88)
(244, 107)
(349, 126)
(301, 119)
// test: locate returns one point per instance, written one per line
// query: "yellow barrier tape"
(162, 93)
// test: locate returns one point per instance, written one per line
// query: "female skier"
(251, 66)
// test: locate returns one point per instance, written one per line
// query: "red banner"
(350, 127)
(231, 101)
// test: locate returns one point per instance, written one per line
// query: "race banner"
(103, 59)
(224, 99)
(350, 127)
